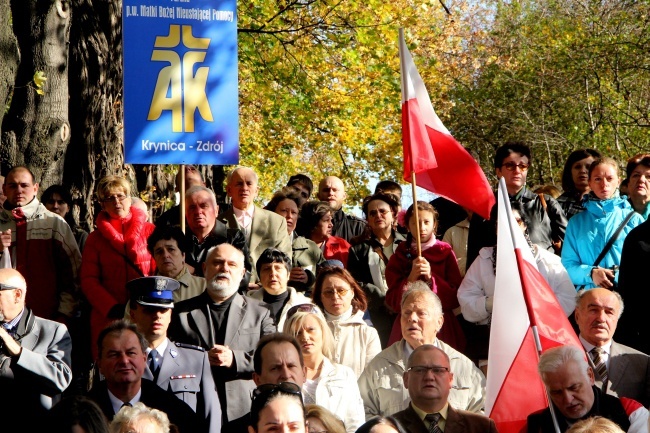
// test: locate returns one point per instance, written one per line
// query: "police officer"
(182, 369)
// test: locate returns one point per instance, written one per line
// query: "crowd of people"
(301, 317)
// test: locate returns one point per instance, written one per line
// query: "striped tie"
(433, 419)
(599, 363)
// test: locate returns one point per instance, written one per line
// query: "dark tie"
(433, 419)
(599, 363)
(154, 363)
(10, 329)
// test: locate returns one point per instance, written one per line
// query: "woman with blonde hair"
(321, 420)
(330, 385)
(115, 253)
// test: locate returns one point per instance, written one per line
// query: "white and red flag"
(440, 163)
(524, 308)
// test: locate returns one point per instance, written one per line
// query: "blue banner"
(180, 82)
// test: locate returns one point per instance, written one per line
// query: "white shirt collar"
(607, 348)
(160, 348)
(249, 211)
(117, 403)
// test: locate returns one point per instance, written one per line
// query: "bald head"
(12, 294)
(332, 190)
(223, 270)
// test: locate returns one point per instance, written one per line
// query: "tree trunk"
(9, 57)
(35, 130)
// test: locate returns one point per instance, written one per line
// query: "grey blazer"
(628, 374)
(269, 230)
(41, 371)
(248, 321)
(185, 371)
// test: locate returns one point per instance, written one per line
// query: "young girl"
(589, 231)
(437, 267)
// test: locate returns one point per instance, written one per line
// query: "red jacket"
(446, 280)
(337, 249)
(115, 253)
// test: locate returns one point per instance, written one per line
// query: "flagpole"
(182, 191)
(531, 317)
(403, 76)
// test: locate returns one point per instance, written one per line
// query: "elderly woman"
(273, 268)
(57, 199)
(330, 385)
(306, 254)
(369, 256)
(278, 408)
(316, 223)
(586, 254)
(344, 303)
(575, 180)
(140, 419)
(115, 253)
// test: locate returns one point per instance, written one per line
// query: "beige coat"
(382, 387)
(355, 343)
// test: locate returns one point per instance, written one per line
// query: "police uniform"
(184, 369)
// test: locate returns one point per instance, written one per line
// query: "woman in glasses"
(278, 408)
(330, 385)
(57, 199)
(316, 224)
(115, 253)
(370, 254)
(306, 254)
(588, 254)
(344, 303)
(575, 180)
(476, 292)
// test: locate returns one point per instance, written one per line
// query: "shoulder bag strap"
(611, 240)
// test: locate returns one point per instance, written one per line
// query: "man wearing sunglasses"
(34, 356)
(428, 379)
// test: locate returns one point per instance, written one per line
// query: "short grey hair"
(200, 188)
(421, 289)
(128, 415)
(553, 359)
(229, 176)
(582, 292)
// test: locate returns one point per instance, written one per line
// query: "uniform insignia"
(161, 284)
(189, 346)
(173, 353)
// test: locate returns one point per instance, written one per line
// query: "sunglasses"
(8, 287)
(303, 308)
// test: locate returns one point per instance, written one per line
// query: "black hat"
(155, 291)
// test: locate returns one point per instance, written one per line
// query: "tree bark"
(35, 130)
(9, 57)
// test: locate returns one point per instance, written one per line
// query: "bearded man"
(227, 325)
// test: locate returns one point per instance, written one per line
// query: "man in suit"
(34, 356)
(172, 217)
(204, 230)
(619, 370)
(429, 379)
(226, 324)
(179, 368)
(569, 382)
(263, 229)
(122, 361)
(277, 359)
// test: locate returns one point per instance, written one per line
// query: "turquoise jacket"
(589, 231)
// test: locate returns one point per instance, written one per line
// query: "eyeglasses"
(510, 166)
(423, 369)
(374, 213)
(119, 198)
(330, 293)
(303, 308)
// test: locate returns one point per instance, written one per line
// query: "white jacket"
(355, 343)
(337, 391)
(295, 298)
(478, 284)
(382, 387)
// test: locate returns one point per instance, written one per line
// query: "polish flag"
(524, 307)
(440, 163)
